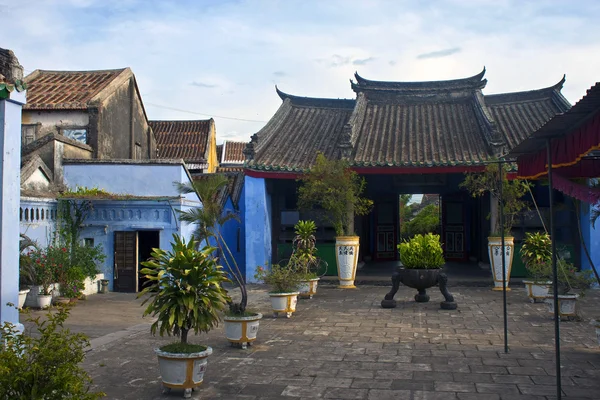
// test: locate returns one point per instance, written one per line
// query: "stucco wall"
(258, 225)
(591, 237)
(134, 179)
(51, 121)
(230, 234)
(37, 219)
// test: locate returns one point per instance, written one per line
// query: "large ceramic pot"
(284, 303)
(346, 257)
(567, 305)
(242, 330)
(308, 288)
(182, 371)
(44, 300)
(22, 297)
(495, 253)
(420, 279)
(537, 291)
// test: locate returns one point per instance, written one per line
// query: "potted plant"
(304, 257)
(335, 188)
(241, 324)
(537, 257)
(572, 285)
(185, 294)
(422, 258)
(45, 273)
(26, 268)
(284, 281)
(489, 181)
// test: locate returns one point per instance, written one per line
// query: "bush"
(422, 252)
(282, 279)
(536, 253)
(45, 365)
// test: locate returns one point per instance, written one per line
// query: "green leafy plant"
(536, 253)
(27, 271)
(185, 290)
(426, 221)
(281, 278)
(208, 221)
(304, 257)
(422, 252)
(337, 189)
(44, 365)
(478, 184)
(570, 279)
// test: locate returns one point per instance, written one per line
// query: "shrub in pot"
(488, 182)
(572, 285)
(536, 254)
(332, 186)
(185, 294)
(284, 281)
(45, 365)
(304, 257)
(45, 267)
(422, 258)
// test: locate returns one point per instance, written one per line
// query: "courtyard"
(343, 345)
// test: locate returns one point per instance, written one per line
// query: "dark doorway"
(147, 240)
(125, 267)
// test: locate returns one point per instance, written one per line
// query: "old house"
(403, 137)
(193, 141)
(231, 156)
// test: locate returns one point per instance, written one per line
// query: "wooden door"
(454, 230)
(125, 268)
(385, 231)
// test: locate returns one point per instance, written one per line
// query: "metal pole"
(501, 205)
(554, 274)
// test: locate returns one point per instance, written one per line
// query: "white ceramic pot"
(44, 300)
(182, 371)
(283, 303)
(242, 330)
(567, 304)
(495, 254)
(23, 297)
(346, 257)
(308, 288)
(537, 291)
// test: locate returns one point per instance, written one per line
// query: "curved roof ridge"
(315, 101)
(475, 80)
(524, 95)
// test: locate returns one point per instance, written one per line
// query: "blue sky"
(223, 58)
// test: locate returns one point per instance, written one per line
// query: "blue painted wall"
(233, 233)
(591, 238)
(10, 181)
(258, 225)
(38, 219)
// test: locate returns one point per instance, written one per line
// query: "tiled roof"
(187, 140)
(72, 90)
(299, 129)
(408, 124)
(234, 153)
(520, 114)
(219, 152)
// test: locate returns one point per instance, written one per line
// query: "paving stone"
(454, 387)
(405, 384)
(303, 391)
(333, 382)
(478, 396)
(262, 390)
(380, 394)
(427, 395)
(360, 383)
(500, 388)
(468, 377)
(345, 393)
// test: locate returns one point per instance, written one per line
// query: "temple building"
(403, 137)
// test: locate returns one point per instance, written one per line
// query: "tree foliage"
(426, 221)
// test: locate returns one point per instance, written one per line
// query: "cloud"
(440, 53)
(339, 61)
(203, 85)
(279, 74)
(392, 62)
(363, 61)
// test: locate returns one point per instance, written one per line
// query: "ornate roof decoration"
(402, 124)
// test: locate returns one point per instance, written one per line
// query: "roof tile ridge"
(347, 140)
(493, 137)
(261, 138)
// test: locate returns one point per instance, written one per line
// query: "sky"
(223, 58)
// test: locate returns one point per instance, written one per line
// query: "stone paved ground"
(342, 345)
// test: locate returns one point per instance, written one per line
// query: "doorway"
(131, 248)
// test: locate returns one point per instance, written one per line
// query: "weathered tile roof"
(219, 152)
(520, 114)
(72, 90)
(233, 153)
(299, 129)
(187, 140)
(403, 124)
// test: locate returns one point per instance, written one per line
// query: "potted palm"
(507, 194)
(241, 324)
(284, 281)
(304, 257)
(336, 189)
(185, 294)
(572, 285)
(422, 258)
(537, 256)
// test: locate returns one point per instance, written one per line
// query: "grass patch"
(244, 314)
(183, 348)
